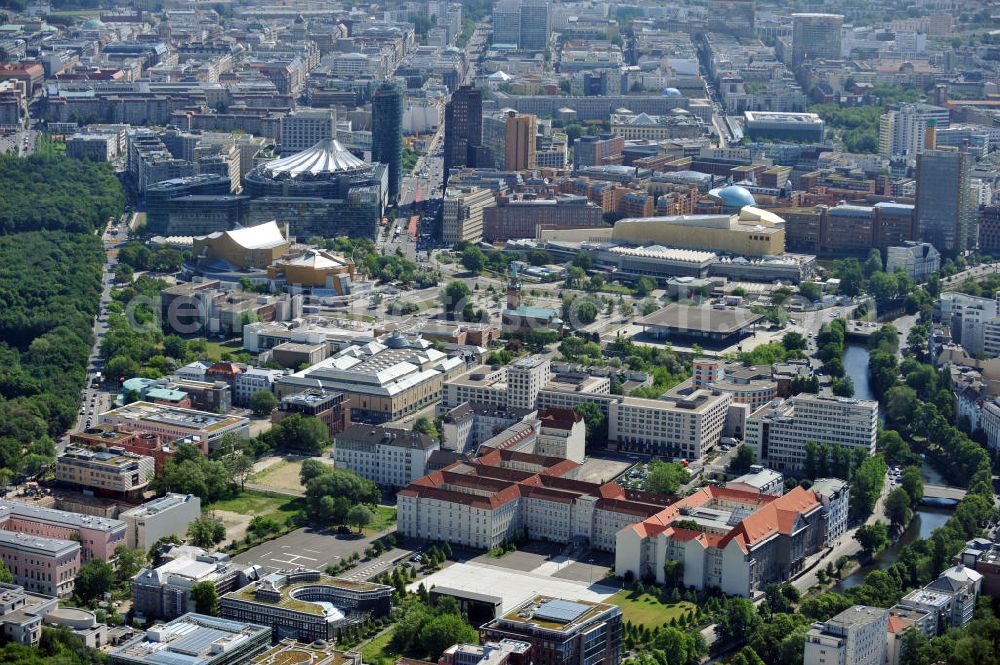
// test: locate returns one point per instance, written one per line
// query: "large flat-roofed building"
(95, 147)
(504, 652)
(505, 492)
(165, 516)
(856, 636)
(751, 232)
(705, 322)
(778, 432)
(114, 471)
(562, 632)
(44, 565)
(804, 127)
(389, 456)
(164, 592)
(738, 542)
(98, 536)
(306, 604)
(816, 37)
(175, 423)
(21, 614)
(684, 424)
(194, 639)
(517, 218)
(382, 381)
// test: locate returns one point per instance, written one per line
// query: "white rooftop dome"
(327, 156)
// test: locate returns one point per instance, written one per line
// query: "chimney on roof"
(930, 135)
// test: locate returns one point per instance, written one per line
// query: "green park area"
(647, 610)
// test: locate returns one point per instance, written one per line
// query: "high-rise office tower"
(815, 37)
(387, 133)
(507, 22)
(902, 129)
(463, 128)
(520, 146)
(946, 205)
(536, 25)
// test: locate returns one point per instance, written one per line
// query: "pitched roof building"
(730, 539)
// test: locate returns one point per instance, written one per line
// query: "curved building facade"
(322, 191)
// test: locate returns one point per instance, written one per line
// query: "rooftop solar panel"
(563, 611)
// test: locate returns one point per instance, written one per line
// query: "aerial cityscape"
(499, 332)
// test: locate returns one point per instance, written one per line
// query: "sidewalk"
(846, 545)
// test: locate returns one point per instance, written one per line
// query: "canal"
(925, 519)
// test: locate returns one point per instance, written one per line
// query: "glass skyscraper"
(387, 133)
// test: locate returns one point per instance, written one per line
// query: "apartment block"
(388, 456)
(463, 213)
(165, 516)
(114, 471)
(684, 424)
(856, 636)
(97, 536)
(779, 431)
(43, 565)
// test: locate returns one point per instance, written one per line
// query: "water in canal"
(856, 367)
(924, 522)
(926, 519)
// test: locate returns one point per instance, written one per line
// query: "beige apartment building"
(463, 213)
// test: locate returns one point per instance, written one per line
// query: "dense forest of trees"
(56, 193)
(50, 287)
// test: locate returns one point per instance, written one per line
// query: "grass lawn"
(257, 503)
(647, 610)
(378, 649)
(283, 475)
(214, 350)
(385, 517)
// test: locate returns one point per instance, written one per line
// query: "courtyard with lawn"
(647, 610)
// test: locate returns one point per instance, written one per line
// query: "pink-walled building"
(42, 565)
(98, 536)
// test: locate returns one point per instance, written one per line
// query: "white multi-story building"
(973, 321)
(168, 515)
(989, 421)
(525, 378)
(561, 433)
(463, 213)
(902, 131)
(304, 127)
(253, 381)
(113, 470)
(856, 636)
(387, 456)
(919, 260)
(778, 432)
(685, 425)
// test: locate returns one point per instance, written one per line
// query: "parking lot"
(305, 548)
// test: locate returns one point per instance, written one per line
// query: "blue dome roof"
(397, 341)
(735, 196)
(671, 92)
(93, 24)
